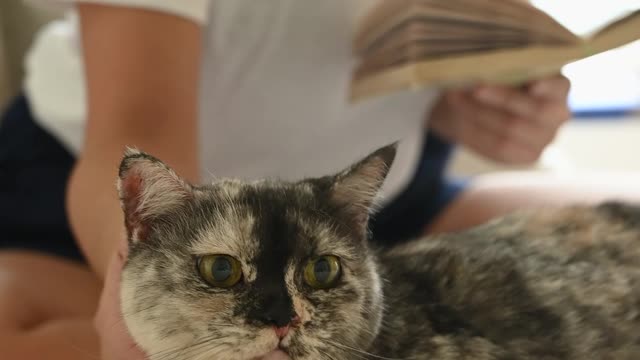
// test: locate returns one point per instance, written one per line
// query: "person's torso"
(274, 93)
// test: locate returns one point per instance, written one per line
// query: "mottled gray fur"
(546, 284)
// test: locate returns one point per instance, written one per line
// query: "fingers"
(544, 100)
(494, 133)
(552, 115)
(509, 99)
(556, 87)
(499, 136)
(551, 95)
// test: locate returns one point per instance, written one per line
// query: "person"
(227, 88)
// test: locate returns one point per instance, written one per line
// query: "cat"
(237, 270)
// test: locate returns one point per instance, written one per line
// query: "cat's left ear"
(148, 189)
(355, 189)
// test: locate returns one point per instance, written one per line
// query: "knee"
(16, 311)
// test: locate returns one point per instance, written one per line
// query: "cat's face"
(237, 270)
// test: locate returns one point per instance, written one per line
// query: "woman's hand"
(115, 341)
(509, 125)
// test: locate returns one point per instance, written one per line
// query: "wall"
(19, 20)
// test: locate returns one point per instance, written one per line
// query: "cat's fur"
(548, 284)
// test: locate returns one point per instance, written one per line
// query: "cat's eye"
(220, 270)
(322, 272)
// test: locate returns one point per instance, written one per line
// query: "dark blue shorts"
(35, 167)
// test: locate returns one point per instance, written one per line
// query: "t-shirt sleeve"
(193, 10)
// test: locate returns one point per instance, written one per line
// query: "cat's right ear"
(148, 189)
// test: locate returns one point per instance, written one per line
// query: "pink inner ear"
(132, 186)
(148, 189)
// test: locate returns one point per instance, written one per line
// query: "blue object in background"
(606, 85)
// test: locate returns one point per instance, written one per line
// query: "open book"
(409, 44)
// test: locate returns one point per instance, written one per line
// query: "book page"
(515, 14)
(434, 30)
(617, 34)
(509, 15)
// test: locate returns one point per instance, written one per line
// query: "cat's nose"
(278, 319)
(273, 308)
(282, 331)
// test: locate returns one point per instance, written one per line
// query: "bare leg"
(489, 196)
(46, 308)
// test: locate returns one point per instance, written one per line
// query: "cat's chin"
(274, 355)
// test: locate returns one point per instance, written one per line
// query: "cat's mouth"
(281, 351)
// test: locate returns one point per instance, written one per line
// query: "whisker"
(327, 355)
(335, 343)
(186, 350)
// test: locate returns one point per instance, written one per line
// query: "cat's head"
(235, 270)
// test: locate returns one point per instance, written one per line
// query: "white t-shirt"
(274, 89)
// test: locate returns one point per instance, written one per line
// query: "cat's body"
(550, 284)
(547, 284)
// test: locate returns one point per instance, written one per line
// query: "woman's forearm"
(142, 70)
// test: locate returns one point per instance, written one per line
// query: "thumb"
(116, 342)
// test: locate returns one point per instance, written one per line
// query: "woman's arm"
(142, 72)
